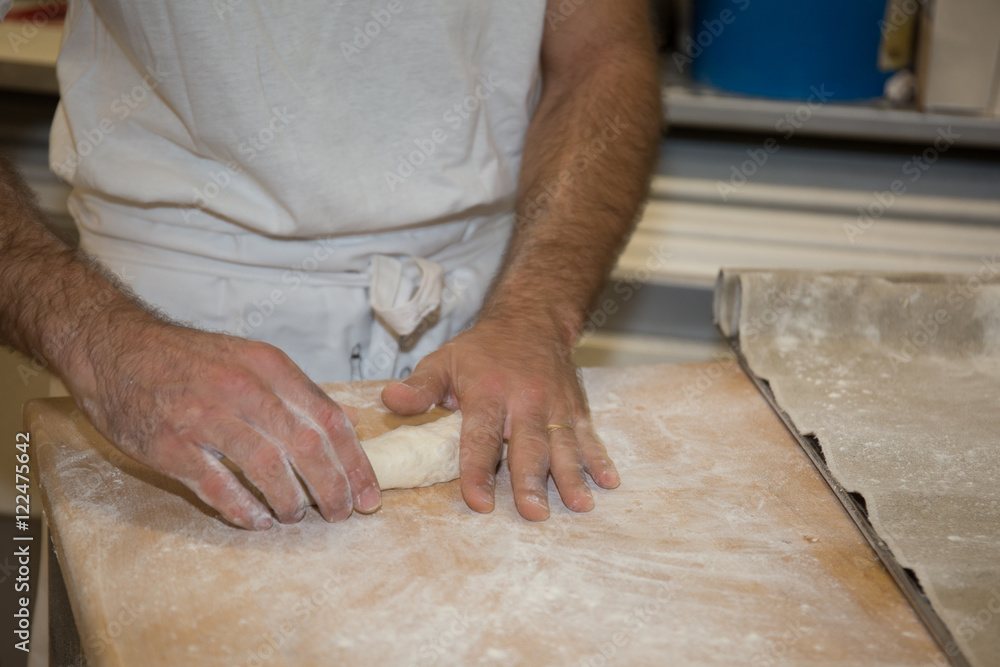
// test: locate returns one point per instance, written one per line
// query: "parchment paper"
(898, 379)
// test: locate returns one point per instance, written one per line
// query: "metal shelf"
(689, 104)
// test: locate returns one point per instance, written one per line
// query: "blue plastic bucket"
(788, 48)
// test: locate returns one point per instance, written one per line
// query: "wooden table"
(722, 546)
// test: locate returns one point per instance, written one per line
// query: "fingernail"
(488, 499)
(340, 514)
(536, 499)
(370, 500)
(585, 504)
(541, 503)
(263, 522)
(299, 515)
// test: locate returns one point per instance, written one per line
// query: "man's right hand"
(175, 398)
(179, 399)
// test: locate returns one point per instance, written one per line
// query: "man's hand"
(178, 400)
(585, 170)
(171, 397)
(512, 381)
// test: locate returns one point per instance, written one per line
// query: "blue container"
(788, 49)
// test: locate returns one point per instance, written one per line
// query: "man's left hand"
(512, 383)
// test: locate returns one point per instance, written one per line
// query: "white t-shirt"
(292, 119)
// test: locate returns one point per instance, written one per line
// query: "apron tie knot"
(403, 294)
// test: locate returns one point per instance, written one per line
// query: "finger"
(567, 470)
(216, 485)
(480, 446)
(312, 456)
(306, 400)
(528, 457)
(595, 457)
(322, 412)
(321, 471)
(264, 463)
(426, 387)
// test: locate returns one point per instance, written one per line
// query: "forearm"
(588, 154)
(51, 297)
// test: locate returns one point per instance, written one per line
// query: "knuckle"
(486, 408)
(309, 444)
(483, 438)
(267, 463)
(335, 499)
(535, 463)
(238, 381)
(529, 457)
(270, 409)
(265, 354)
(534, 395)
(533, 412)
(571, 471)
(217, 488)
(594, 450)
(589, 440)
(491, 382)
(333, 419)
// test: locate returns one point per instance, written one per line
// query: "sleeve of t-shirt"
(5, 7)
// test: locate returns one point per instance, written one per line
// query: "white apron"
(372, 323)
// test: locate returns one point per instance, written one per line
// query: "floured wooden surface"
(722, 546)
(898, 377)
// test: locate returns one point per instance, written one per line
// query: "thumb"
(426, 387)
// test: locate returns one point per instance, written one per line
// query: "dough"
(412, 456)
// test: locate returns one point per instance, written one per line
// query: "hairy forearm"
(55, 304)
(588, 155)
